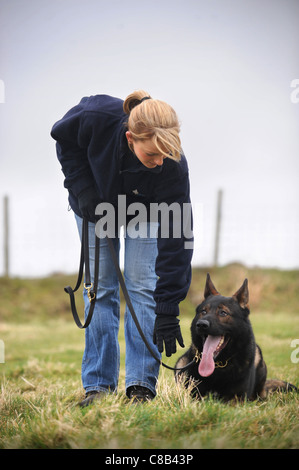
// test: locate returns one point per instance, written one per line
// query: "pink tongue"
(207, 365)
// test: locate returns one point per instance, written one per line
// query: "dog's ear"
(242, 295)
(210, 289)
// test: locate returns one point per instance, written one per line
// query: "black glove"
(88, 200)
(167, 329)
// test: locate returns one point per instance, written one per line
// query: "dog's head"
(219, 322)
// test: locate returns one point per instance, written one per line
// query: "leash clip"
(91, 296)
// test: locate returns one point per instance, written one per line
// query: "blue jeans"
(101, 359)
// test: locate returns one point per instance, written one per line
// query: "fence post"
(218, 226)
(6, 236)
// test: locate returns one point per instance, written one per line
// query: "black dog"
(227, 361)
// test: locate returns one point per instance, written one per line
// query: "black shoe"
(139, 394)
(90, 397)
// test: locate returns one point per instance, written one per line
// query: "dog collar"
(218, 364)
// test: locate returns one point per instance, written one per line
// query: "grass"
(40, 379)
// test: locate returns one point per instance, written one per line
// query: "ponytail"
(134, 99)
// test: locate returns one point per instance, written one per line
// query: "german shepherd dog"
(227, 361)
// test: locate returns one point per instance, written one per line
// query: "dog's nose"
(203, 324)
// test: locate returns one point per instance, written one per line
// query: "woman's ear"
(129, 137)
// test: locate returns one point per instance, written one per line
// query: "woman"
(110, 149)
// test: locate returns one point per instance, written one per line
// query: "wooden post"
(218, 226)
(6, 236)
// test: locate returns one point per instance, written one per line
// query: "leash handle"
(88, 285)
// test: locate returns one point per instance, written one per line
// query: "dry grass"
(40, 387)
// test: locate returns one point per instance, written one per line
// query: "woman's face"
(146, 152)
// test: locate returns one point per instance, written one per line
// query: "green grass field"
(41, 385)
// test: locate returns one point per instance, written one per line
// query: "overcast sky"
(226, 66)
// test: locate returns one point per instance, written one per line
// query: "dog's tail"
(273, 385)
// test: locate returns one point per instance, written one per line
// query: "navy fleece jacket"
(92, 149)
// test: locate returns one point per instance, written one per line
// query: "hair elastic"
(145, 98)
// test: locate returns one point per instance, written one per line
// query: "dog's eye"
(203, 312)
(223, 313)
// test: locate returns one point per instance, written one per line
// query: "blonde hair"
(155, 120)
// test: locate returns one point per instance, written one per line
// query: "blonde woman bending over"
(126, 155)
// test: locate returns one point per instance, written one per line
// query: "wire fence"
(45, 240)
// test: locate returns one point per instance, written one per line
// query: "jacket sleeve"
(173, 264)
(72, 150)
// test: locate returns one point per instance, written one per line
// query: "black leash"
(92, 289)
(88, 285)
